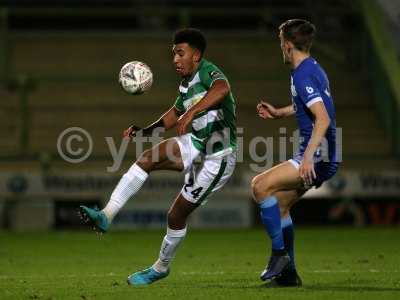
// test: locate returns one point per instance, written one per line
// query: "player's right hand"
(131, 131)
(266, 110)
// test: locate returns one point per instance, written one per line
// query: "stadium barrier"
(37, 201)
(42, 201)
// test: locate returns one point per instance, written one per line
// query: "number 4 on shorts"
(195, 193)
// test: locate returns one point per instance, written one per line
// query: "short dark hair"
(194, 37)
(300, 32)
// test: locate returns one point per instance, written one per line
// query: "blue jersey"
(309, 84)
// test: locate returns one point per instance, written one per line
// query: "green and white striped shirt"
(213, 130)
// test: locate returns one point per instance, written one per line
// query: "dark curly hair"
(194, 37)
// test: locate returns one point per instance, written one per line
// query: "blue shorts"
(323, 170)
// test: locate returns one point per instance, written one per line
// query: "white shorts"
(206, 177)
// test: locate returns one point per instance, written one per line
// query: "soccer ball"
(136, 77)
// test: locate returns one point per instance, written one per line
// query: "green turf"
(335, 263)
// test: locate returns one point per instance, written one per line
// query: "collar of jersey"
(304, 61)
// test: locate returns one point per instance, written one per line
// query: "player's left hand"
(307, 172)
(183, 122)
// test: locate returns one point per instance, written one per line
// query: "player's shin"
(168, 250)
(288, 237)
(270, 216)
(128, 186)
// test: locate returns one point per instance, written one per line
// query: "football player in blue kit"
(277, 189)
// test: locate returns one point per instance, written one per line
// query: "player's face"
(185, 59)
(286, 49)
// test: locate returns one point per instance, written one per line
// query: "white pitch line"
(192, 273)
(329, 271)
(209, 273)
(57, 276)
(352, 271)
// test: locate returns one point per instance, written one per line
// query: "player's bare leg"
(179, 212)
(283, 177)
(163, 156)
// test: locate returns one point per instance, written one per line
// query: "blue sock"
(288, 237)
(271, 218)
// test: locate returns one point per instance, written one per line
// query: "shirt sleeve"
(179, 104)
(209, 75)
(308, 91)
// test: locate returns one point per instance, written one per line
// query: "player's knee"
(146, 161)
(284, 209)
(261, 188)
(174, 218)
(171, 217)
(256, 187)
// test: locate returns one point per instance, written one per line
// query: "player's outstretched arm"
(215, 95)
(266, 110)
(321, 125)
(167, 120)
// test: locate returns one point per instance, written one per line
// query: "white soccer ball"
(136, 77)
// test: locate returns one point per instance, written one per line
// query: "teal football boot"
(94, 217)
(146, 277)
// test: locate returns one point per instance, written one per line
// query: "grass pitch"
(334, 263)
